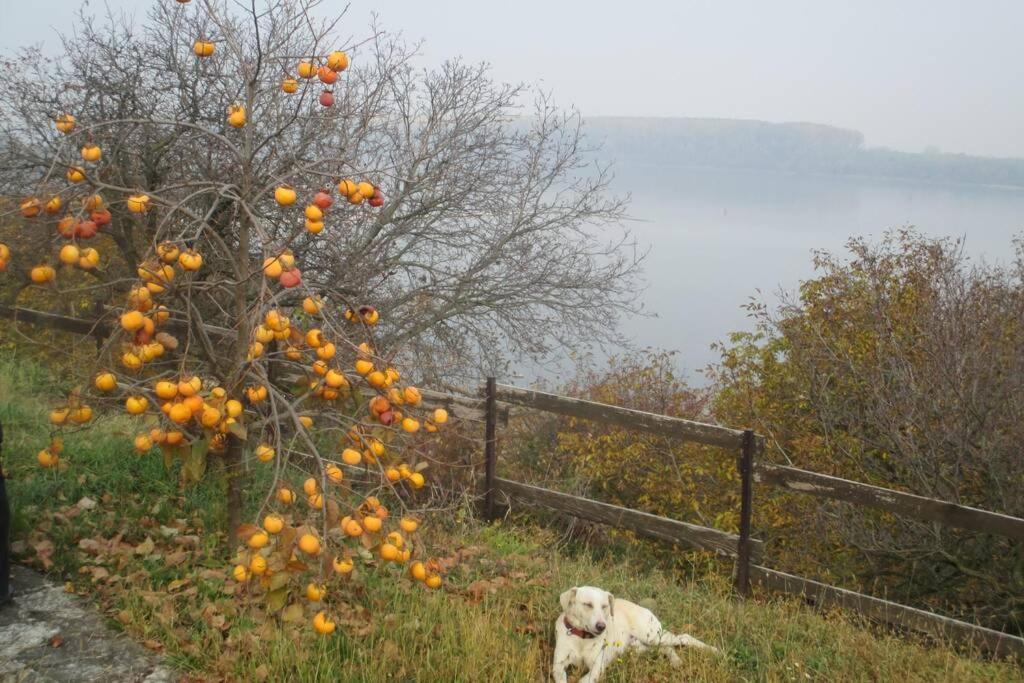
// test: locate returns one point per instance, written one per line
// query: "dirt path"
(49, 635)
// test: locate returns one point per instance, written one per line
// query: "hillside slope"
(493, 621)
(786, 147)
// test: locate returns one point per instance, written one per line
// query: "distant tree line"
(787, 147)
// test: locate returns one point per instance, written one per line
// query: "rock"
(50, 635)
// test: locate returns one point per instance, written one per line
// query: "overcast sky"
(908, 74)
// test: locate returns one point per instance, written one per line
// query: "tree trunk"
(235, 478)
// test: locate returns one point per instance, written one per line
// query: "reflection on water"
(717, 236)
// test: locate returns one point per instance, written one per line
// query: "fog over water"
(716, 236)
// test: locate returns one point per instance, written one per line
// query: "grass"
(493, 621)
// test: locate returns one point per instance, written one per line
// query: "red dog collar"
(573, 631)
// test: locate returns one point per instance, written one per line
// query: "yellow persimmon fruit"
(209, 417)
(233, 407)
(105, 381)
(337, 60)
(136, 405)
(273, 524)
(309, 544)
(312, 305)
(166, 390)
(284, 195)
(258, 540)
(347, 188)
(351, 456)
(132, 320)
(265, 452)
(272, 267)
(258, 565)
(323, 625)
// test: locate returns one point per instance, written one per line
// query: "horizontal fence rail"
(56, 321)
(895, 614)
(643, 523)
(906, 504)
(663, 425)
(464, 407)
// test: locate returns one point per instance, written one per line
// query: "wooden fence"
(746, 551)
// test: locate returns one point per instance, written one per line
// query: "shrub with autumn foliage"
(685, 481)
(899, 365)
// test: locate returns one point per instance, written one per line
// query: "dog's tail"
(685, 641)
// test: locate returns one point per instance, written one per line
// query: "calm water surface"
(716, 237)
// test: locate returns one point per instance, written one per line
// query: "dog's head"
(588, 608)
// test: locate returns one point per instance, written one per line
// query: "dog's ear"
(567, 598)
(611, 604)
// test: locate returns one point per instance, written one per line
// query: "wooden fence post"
(490, 450)
(746, 466)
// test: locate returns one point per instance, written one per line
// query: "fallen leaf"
(57, 640)
(175, 558)
(44, 549)
(293, 613)
(276, 599)
(176, 584)
(90, 545)
(146, 547)
(153, 645)
(190, 541)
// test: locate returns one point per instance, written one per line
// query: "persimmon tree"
(255, 202)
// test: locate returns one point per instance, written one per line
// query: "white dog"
(595, 628)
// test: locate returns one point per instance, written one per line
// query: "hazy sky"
(907, 74)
